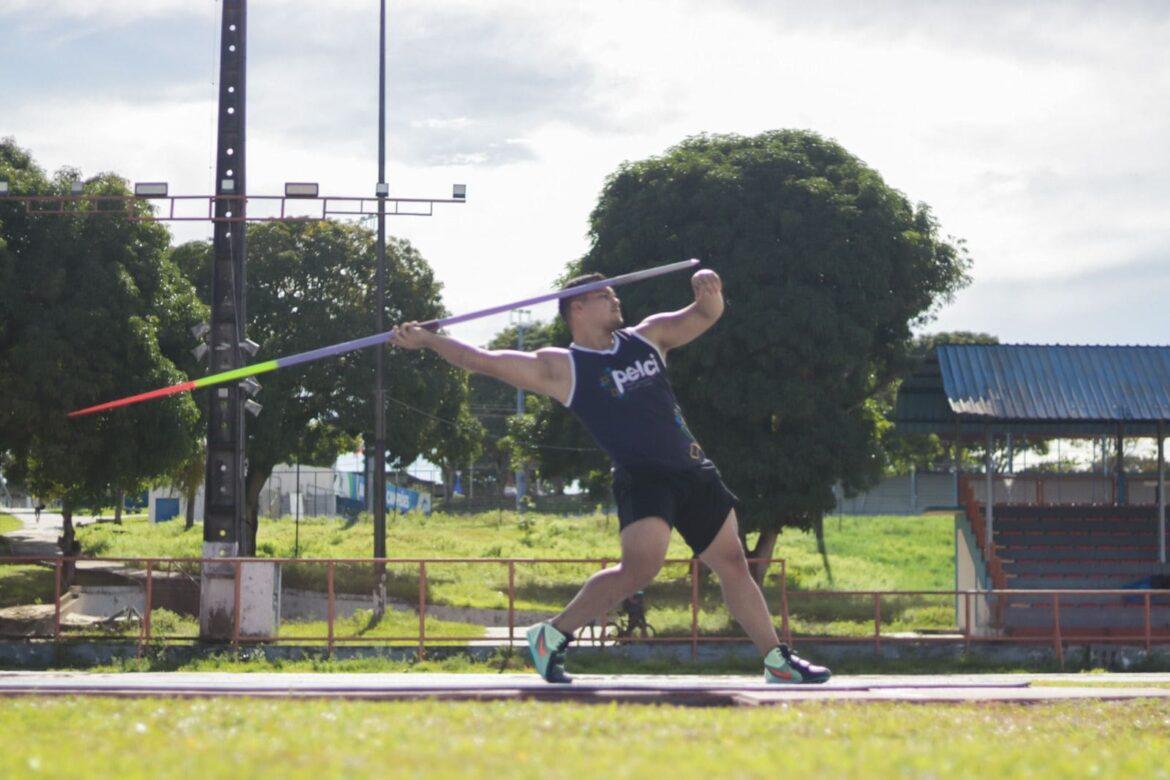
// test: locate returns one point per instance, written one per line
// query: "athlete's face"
(603, 308)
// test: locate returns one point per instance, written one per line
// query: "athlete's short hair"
(576, 281)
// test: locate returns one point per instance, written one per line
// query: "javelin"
(377, 338)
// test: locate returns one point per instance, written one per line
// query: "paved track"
(687, 690)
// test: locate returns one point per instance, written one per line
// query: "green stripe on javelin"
(237, 373)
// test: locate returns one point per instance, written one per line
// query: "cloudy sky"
(1038, 131)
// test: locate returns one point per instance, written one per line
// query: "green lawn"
(8, 523)
(865, 553)
(154, 738)
(21, 584)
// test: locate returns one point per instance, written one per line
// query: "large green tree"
(312, 284)
(90, 309)
(826, 270)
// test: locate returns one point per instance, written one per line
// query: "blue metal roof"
(1036, 384)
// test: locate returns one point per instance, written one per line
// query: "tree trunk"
(70, 548)
(448, 482)
(819, 531)
(120, 501)
(764, 548)
(190, 514)
(254, 483)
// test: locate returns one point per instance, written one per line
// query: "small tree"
(86, 306)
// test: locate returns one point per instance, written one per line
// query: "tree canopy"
(826, 270)
(312, 284)
(90, 309)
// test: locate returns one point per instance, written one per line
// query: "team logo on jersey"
(615, 381)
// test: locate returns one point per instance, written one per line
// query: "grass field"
(866, 553)
(8, 523)
(290, 739)
(21, 584)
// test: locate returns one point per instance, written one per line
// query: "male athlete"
(614, 380)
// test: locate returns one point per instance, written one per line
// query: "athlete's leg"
(644, 544)
(743, 596)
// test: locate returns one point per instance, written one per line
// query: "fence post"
(330, 607)
(967, 621)
(1147, 610)
(605, 616)
(145, 636)
(422, 609)
(694, 609)
(1056, 629)
(511, 602)
(877, 622)
(57, 600)
(785, 630)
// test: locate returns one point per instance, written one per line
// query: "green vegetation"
(394, 623)
(153, 738)
(25, 585)
(21, 584)
(866, 553)
(8, 524)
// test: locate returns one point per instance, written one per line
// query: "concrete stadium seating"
(1079, 548)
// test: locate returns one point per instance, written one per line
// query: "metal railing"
(966, 634)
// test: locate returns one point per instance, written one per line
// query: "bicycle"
(629, 624)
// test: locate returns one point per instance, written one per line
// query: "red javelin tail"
(182, 387)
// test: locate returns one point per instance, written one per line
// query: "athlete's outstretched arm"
(675, 328)
(545, 371)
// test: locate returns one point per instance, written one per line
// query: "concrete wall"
(971, 574)
(903, 495)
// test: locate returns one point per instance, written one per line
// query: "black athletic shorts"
(694, 502)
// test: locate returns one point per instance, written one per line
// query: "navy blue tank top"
(625, 401)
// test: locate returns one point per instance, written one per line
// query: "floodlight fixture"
(200, 351)
(227, 185)
(382, 190)
(459, 191)
(249, 346)
(150, 189)
(252, 408)
(301, 189)
(250, 386)
(200, 330)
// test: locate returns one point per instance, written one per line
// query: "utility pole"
(522, 319)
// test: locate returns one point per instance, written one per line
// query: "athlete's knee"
(727, 562)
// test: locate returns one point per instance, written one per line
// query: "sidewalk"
(39, 539)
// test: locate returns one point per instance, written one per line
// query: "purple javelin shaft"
(379, 338)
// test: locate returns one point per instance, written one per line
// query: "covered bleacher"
(1047, 532)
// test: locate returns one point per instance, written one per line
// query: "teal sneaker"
(784, 667)
(547, 646)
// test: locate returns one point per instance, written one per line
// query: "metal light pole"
(379, 496)
(521, 318)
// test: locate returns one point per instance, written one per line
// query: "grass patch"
(21, 584)
(171, 625)
(25, 585)
(8, 524)
(312, 739)
(865, 553)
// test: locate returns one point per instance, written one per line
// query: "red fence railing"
(966, 631)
